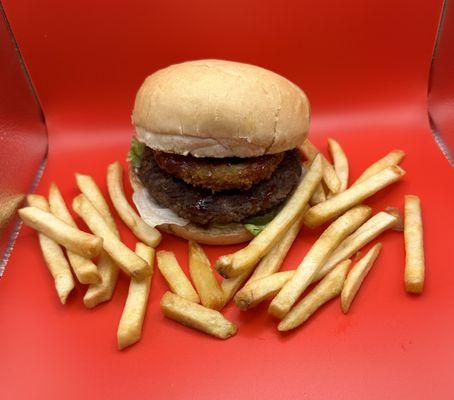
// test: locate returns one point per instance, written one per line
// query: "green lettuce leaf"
(257, 224)
(135, 152)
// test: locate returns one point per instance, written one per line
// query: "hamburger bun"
(215, 108)
(215, 235)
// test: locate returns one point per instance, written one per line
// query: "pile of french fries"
(58, 233)
(330, 268)
(324, 196)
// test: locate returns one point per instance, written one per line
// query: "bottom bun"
(227, 234)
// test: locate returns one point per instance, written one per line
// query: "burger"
(213, 157)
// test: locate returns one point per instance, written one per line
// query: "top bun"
(214, 108)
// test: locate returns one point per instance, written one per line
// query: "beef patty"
(204, 207)
(219, 174)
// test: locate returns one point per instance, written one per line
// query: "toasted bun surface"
(214, 108)
(229, 234)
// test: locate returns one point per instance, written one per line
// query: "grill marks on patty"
(219, 174)
(204, 207)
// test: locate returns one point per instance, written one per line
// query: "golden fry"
(340, 163)
(329, 175)
(327, 289)
(392, 158)
(341, 202)
(205, 282)
(319, 195)
(58, 206)
(197, 316)
(261, 289)
(395, 212)
(273, 260)
(231, 285)
(414, 246)
(125, 258)
(53, 255)
(108, 270)
(315, 257)
(175, 277)
(38, 201)
(85, 270)
(58, 266)
(102, 291)
(367, 232)
(130, 326)
(356, 276)
(90, 189)
(267, 265)
(73, 239)
(237, 263)
(141, 230)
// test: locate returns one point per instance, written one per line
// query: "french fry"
(83, 243)
(130, 326)
(58, 206)
(340, 163)
(356, 276)
(125, 258)
(90, 189)
(108, 270)
(267, 265)
(235, 264)
(38, 201)
(315, 257)
(196, 316)
(367, 232)
(319, 195)
(261, 289)
(206, 284)
(53, 255)
(395, 212)
(231, 285)
(327, 289)
(329, 175)
(392, 158)
(141, 230)
(58, 266)
(273, 260)
(102, 291)
(175, 277)
(342, 201)
(414, 245)
(85, 270)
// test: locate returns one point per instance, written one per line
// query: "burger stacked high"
(215, 147)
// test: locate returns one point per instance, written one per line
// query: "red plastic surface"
(365, 66)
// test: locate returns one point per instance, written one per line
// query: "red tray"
(390, 345)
